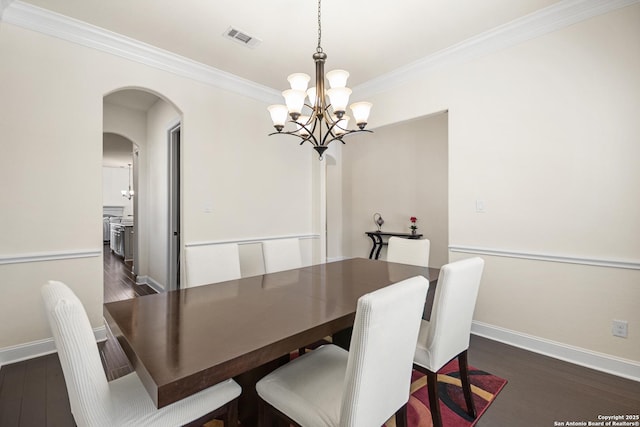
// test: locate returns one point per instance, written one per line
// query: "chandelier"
(315, 121)
(128, 193)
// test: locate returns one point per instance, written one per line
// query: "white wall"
(114, 180)
(546, 133)
(399, 171)
(51, 115)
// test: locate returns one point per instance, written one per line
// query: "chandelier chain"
(319, 48)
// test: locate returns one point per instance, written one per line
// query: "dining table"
(180, 342)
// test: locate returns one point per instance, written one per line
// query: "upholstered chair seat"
(362, 387)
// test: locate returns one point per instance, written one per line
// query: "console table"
(378, 243)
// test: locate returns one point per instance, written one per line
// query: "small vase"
(413, 232)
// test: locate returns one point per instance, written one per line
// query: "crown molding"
(544, 21)
(3, 5)
(53, 24)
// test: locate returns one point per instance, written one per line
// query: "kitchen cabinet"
(127, 239)
(122, 240)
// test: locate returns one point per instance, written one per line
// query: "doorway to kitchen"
(153, 124)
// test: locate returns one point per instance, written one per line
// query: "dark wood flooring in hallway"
(119, 281)
(540, 390)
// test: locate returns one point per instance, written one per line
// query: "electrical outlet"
(620, 328)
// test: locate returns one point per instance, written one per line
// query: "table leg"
(248, 401)
(342, 338)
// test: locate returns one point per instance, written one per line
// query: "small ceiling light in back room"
(327, 120)
(128, 193)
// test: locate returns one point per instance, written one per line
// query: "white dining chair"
(446, 335)
(124, 401)
(408, 251)
(362, 387)
(212, 264)
(281, 254)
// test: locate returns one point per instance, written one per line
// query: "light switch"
(480, 208)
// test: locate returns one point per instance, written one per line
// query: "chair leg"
(434, 402)
(401, 416)
(301, 351)
(466, 384)
(231, 416)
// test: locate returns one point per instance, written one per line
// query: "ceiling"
(369, 38)
(117, 151)
(132, 98)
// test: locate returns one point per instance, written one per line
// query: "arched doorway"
(149, 120)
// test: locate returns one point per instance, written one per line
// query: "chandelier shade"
(337, 78)
(299, 81)
(319, 115)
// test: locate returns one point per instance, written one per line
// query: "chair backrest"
(212, 264)
(409, 251)
(453, 306)
(84, 375)
(385, 332)
(281, 254)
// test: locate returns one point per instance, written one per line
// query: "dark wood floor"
(119, 281)
(540, 390)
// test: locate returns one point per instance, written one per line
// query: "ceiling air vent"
(241, 37)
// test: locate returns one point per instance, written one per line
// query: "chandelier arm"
(311, 138)
(330, 126)
(315, 124)
(339, 137)
(313, 119)
(327, 115)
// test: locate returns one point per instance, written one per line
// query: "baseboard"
(38, 348)
(146, 280)
(579, 356)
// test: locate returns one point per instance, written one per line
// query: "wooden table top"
(184, 341)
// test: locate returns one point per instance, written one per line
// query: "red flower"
(413, 219)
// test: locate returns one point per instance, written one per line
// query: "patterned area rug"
(484, 387)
